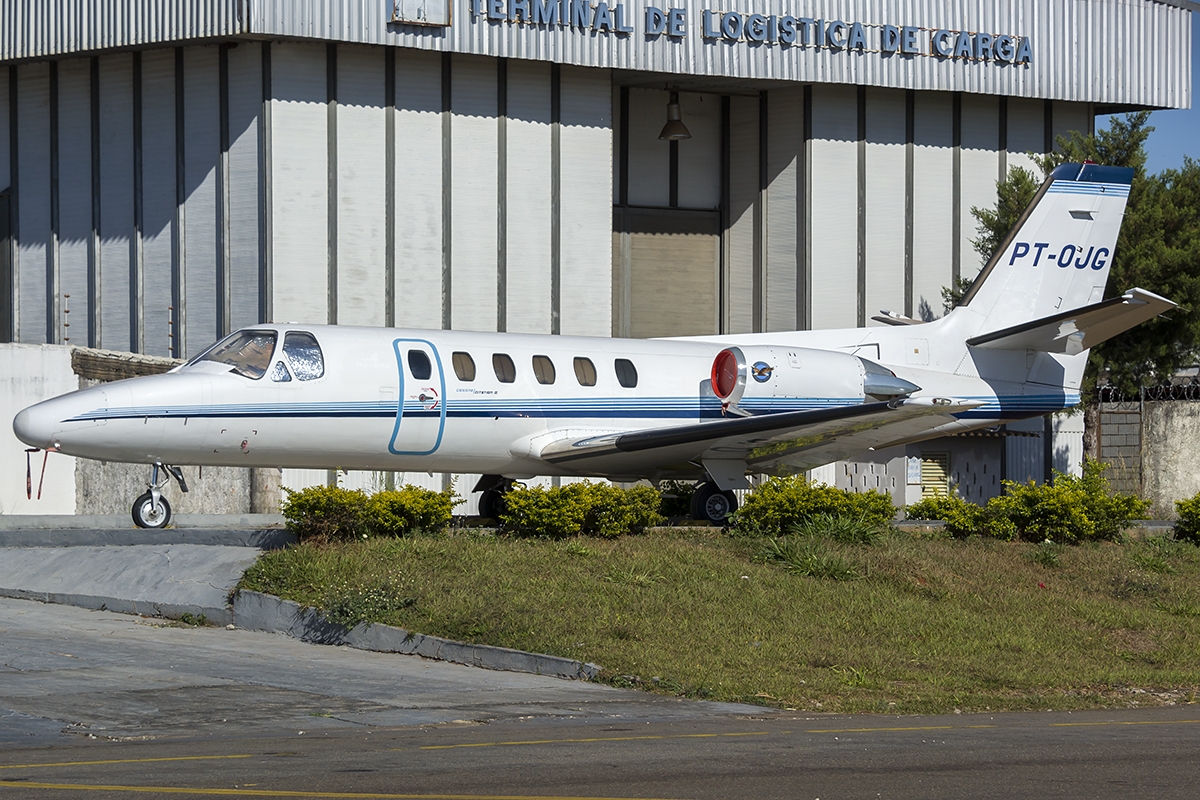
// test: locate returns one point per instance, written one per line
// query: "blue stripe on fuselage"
(606, 408)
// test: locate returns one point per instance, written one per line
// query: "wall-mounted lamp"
(674, 130)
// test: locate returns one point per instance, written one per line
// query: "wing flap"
(1074, 331)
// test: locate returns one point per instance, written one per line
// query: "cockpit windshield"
(248, 353)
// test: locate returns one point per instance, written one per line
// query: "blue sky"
(1176, 133)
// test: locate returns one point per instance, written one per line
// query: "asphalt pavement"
(94, 703)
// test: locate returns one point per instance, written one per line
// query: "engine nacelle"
(746, 377)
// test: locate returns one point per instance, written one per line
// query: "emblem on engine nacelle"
(761, 371)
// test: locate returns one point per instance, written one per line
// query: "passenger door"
(421, 412)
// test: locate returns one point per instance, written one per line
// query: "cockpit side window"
(304, 354)
(248, 353)
(279, 373)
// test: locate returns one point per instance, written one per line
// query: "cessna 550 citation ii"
(711, 408)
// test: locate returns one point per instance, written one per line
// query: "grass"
(928, 625)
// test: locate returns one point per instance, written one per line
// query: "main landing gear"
(491, 502)
(152, 510)
(712, 504)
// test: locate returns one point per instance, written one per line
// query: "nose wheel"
(712, 504)
(151, 509)
(151, 512)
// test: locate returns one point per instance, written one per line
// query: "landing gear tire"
(491, 503)
(149, 513)
(712, 504)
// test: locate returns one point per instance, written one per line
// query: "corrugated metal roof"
(1111, 52)
(36, 28)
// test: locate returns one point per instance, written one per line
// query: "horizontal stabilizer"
(1079, 329)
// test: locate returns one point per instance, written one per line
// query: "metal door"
(421, 411)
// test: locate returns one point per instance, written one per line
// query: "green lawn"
(933, 625)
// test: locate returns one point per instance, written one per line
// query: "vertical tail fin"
(1057, 256)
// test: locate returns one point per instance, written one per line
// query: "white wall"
(528, 198)
(980, 169)
(30, 373)
(245, 109)
(743, 193)
(784, 198)
(418, 189)
(1026, 133)
(300, 184)
(586, 253)
(933, 202)
(886, 114)
(202, 146)
(362, 186)
(834, 232)
(473, 193)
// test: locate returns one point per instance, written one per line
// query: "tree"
(1158, 249)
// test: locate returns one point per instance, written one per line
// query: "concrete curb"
(123, 521)
(262, 538)
(142, 608)
(263, 612)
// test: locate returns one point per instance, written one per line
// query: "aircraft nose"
(35, 425)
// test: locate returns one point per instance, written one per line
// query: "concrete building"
(177, 169)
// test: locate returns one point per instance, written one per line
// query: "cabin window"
(506, 371)
(418, 365)
(304, 354)
(464, 366)
(280, 373)
(626, 373)
(543, 369)
(248, 353)
(585, 371)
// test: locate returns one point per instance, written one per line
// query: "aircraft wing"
(1074, 331)
(763, 443)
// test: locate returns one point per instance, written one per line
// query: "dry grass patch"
(927, 626)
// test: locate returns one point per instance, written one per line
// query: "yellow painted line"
(212, 791)
(1139, 722)
(915, 728)
(587, 740)
(120, 761)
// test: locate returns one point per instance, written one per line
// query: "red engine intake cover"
(724, 374)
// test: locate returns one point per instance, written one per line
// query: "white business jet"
(709, 408)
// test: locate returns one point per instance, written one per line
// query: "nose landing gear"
(151, 510)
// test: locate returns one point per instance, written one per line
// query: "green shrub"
(410, 509)
(325, 512)
(842, 528)
(1069, 510)
(594, 509)
(780, 503)
(331, 513)
(1187, 527)
(962, 517)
